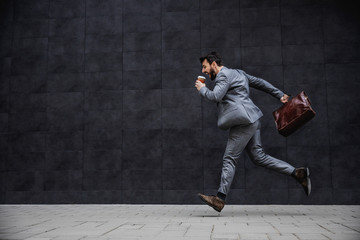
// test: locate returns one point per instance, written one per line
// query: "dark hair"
(212, 57)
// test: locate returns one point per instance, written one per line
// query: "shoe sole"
(209, 204)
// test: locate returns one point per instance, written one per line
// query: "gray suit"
(237, 112)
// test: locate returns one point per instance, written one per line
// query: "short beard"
(212, 74)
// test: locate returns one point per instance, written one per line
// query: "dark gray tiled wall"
(98, 105)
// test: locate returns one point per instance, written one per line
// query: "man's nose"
(203, 70)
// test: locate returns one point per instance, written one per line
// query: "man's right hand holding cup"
(200, 82)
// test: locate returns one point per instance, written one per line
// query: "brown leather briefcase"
(293, 114)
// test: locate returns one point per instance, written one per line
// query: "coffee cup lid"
(201, 77)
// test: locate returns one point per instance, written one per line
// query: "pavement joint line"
(326, 236)
(325, 228)
(113, 229)
(349, 227)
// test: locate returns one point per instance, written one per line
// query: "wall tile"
(141, 196)
(180, 98)
(180, 21)
(140, 41)
(141, 61)
(67, 8)
(66, 45)
(103, 139)
(303, 54)
(103, 43)
(213, 4)
(64, 160)
(25, 9)
(180, 158)
(4, 122)
(102, 160)
(65, 101)
(175, 118)
(142, 79)
(138, 100)
(27, 142)
(268, 55)
(95, 8)
(26, 102)
(28, 84)
(25, 197)
(103, 119)
(181, 179)
(341, 53)
(63, 197)
(5, 46)
(142, 143)
(175, 59)
(260, 36)
(226, 37)
(110, 62)
(181, 6)
(212, 178)
(138, 23)
(141, 180)
(304, 74)
(274, 196)
(171, 79)
(181, 40)
(66, 63)
(63, 121)
(181, 138)
(180, 196)
(302, 34)
(32, 161)
(5, 144)
(104, 100)
(63, 180)
(102, 197)
(253, 17)
(65, 82)
(64, 141)
(301, 15)
(259, 3)
(213, 158)
(142, 7)
(23, 181)
(106, 25)
(102, 180)
(28, 121)
(29, 47)
(103, 81)
(147, 162)
(222, 20)
(28, 65)
(68, 27)
(143, 119)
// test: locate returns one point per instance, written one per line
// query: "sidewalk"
(262, 222)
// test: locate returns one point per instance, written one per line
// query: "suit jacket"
(231, 93)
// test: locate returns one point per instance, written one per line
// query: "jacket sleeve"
(263, 85)
(219, 91)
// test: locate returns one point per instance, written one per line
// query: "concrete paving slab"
(110, 222)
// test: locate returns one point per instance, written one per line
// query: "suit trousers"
(247, 137)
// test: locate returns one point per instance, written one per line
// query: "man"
(237, 112)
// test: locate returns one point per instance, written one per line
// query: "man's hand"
(199, 85)
(285, 98)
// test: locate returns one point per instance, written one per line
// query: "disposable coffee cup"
(201, 79)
